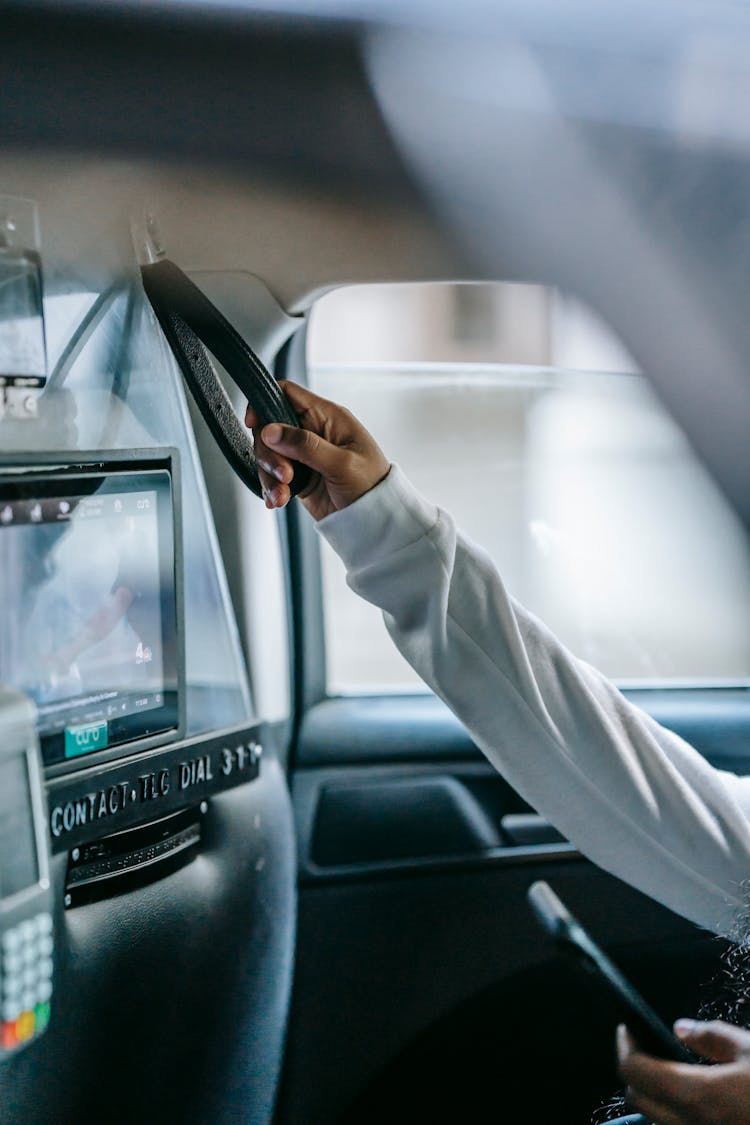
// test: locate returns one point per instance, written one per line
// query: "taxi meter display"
(88, 609)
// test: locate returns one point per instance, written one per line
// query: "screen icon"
(63, 507)
(6, 514)
(36, 513)
(85, 739)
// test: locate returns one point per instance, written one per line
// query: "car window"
(537, 433)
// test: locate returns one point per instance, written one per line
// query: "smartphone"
(647, 1028)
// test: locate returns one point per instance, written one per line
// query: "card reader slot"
(118, 863)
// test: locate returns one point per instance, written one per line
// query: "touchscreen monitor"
(88, 613)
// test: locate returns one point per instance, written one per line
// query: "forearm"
(631, 795)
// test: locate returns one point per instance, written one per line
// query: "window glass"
(582, 489)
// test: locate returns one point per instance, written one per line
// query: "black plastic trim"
(439, 865)
(133, 858)
(361, 730)
(304, 578)
(399, 818)
(136, 790)
(486, 795)
(383, 743)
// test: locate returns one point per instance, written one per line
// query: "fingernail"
(684, 1027)
(622, 1040)
(272, 434)
(278, 472)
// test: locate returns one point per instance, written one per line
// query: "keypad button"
(27, 929)
(8, 1037)
(25, 1025)
(11, 1010)
(43, 991)
(30, 953)
(30, 978)
(28, 999)
(44, 923)
(13, 962)
(46, 945)
(11, 940)
(42, 1014)
(45, 968)
(12, 985)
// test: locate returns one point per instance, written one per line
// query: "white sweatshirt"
(634, 797)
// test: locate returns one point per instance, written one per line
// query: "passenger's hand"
(671, 1093)
(346, 459)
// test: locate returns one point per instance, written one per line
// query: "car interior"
(251, 869)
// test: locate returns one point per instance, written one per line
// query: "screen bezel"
(20, 473)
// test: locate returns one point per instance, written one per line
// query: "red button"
(8, 1038)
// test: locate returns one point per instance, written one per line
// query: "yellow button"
(25, 1026)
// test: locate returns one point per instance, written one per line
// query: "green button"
(84, 740)
(42, 1014)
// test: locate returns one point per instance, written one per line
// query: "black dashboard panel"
(170, 999)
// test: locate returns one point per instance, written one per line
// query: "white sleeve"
(633, 796)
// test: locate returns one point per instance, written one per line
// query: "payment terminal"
(26, 924)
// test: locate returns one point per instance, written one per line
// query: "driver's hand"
(671, 1093)
(346, 459)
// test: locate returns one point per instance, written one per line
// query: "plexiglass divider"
(114, 385)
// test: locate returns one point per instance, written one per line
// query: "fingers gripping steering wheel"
(192, 324)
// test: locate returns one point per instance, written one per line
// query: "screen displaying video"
(88, 611)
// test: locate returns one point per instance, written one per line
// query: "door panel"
(377, 728)
(406, 979)
(368, 765)
(422, 984)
